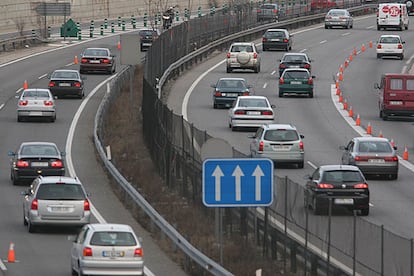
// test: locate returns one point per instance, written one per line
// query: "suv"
(243, 55)
(279, 142)
(55, 200)
(146, 37)
(294, 60)
(268, 12)
(277, 38)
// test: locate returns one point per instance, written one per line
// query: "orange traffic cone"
(380, 134)
(350, 57)
(369, 129)
(345, 105)
(341, 69)
(11, 258)
(370, 44)
(338, 91)
(405, 155)
(346, 63)
(341, 77)
(340, 98)
(119, 45)
(336, 84)
(358, 120)
(363, 48)
(25, 85)
(351, 112)
(75, 61)
(355, 52)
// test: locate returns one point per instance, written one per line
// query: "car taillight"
(254, 55)
(361, 186)
(361, 158)
(342, 17)
(87, 252)
(105, 60)
(307, 66)
(86, 205)
(379, 46)
(22, 164)
(275, 11)
(228, 55)
(310, 81)
(267, 112)
(246, 93)
(301, 146)
(217, 94)
(138, 252)
(285, 40)
(400, 46)
(240, 112)
(259, 11)
(56, 164)
(261, 146)
(48, 103)
(325, 186)
(34, 205)
(52, 84)
(282, 66)
(84, 60)
(328, 17)
(77, 84)
(264, 39)
(391, 159)
(281, 81)
(23, 103)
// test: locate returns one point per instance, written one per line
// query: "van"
(396, 95)
(392, 15)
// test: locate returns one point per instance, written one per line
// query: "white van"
(392, 15)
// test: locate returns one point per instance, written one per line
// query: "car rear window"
(231, 84)
(53, 191)
(242, 48)
(37, 93)
(113, 239)
(253, 103)
(275, 34)
(294, 58)
(295, 75)
(280, 135)
(147, 32)
(391, 40)
(374, 147)
(96, 52)
(341, 176)
(337, 13)
(39, 150)
(65, 75)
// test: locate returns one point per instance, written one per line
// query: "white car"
(390, 45)
(36, 103)
(250, 112)
(243, 55)
(107, 249)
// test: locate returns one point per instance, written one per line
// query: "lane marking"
(265, 85)
(345, 34)
(323, 41)
(42, 76)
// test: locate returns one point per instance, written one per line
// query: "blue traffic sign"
(237, 182)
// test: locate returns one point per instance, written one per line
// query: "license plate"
(396, 102)
(113, 253)
(60, 209)
(64, 84)
(40, 164)
(275, 39)
(94, 61)
(295, 82)
(280, 147)
(345, 201)
(376, 160)
(232, 94)
(294, 66)
(35, 113)
(253, 113)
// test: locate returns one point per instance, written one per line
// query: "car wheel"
(383, 116)
(19, 118)
(393, 176)
(233, 128)
(14, 180)
(24, 219)
(316, 207)
(280, 94)
(378, 56)
(287, 48)
(215, 106)
(326, 27)
(365, 211)
(31, 227)
(311, 95)
(256, 69)
(402, 57)
(264, 49)
(378, 28)
(53, 118)
(301, 164)
(229, 70)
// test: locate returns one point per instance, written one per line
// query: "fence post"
(293, 265)
(382, 250)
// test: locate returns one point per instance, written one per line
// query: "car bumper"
(393, 52)
(108, 267)
(227, 102)
(274, 45)
(66, 91)
(236, 65)
(377, 170)
(36, 113)
(286, 157)
(33, 173)
(39, 220)
(95, 67)
(337, 23)
(359, 201)
(399, 112)
(250, 122)
(304, 89)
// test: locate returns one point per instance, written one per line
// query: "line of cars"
(55, 200)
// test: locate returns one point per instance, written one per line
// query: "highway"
(48, 252)
(319, 120)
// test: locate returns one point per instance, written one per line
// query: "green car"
(296, 81)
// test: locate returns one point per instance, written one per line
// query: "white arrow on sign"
(218, 173)
(258, 173)
(238, 173)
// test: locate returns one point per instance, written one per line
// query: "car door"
(77, 246)
(347, 158)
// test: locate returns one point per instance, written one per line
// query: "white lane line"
(69, 64)
(18, 90)
(323, 41)
(1, 106)
(273, 72)
(371, 27)
(345, 34)
(303, 50)
(265, 85)
(312, 165)
(42, 76)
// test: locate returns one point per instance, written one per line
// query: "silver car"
(372, 155)
(243, 55)
(55, 201)
(279, 142)
(36, 103)
(250, 111)
(107, 249)
(339, 18)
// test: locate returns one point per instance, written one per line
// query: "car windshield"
(42, 150)
(54, 191)
(36, 94)
(65, 75)
(281, 135)
(96, 52)
(391, 40)
(296, 75)
(113, 239)
(294, 58)
(242, 48)
(341, 176)
(374, 147)
(231, 84)
(253, 103)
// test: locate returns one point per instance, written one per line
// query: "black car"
(65, 82)
(35, 158)
(342, 185)
(294, 60)
(98, 60)
(226, 91)
(146, 37)
(277, 39)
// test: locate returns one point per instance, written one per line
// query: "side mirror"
(342, 148)
(313, 77)
(307, 177)
(63, 153)
(213, 85)
(273, 106)
(72, 238)
(302, 136)
(11, 153)
(250, 136)
(376, 86)
(83, 77)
